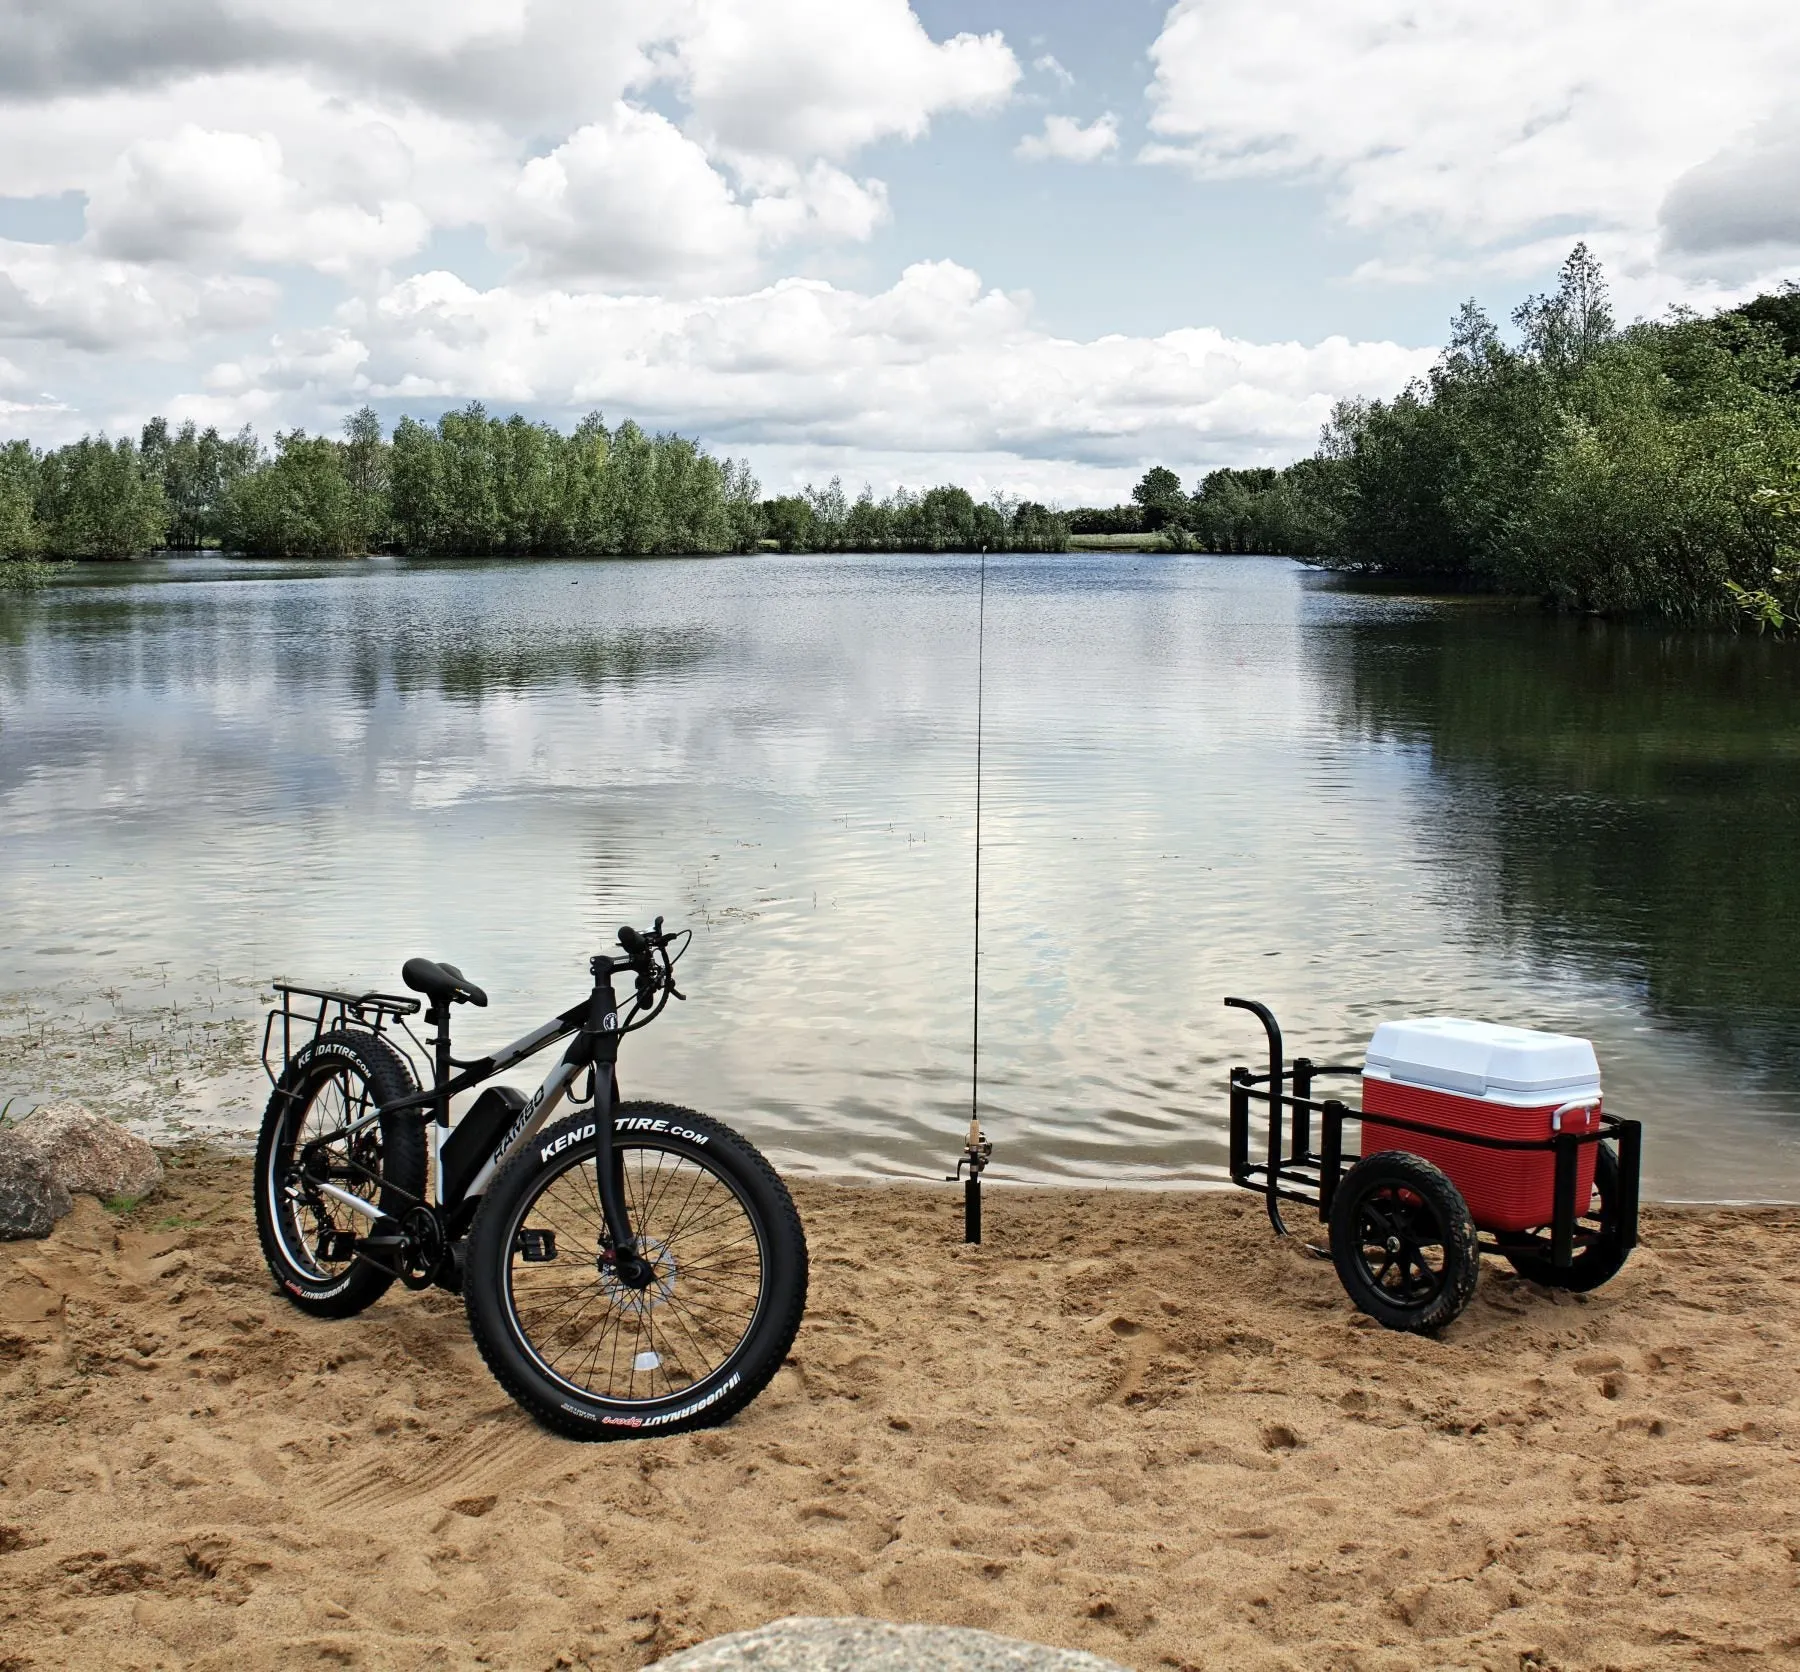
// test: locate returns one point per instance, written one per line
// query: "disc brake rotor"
(657, 1292)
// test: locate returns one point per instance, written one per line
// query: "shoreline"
(1131, 1422)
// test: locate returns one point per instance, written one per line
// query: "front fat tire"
(551, 1157)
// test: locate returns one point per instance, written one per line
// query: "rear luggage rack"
(369, 1011)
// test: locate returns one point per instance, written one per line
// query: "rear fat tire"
(323, 1077)
(1602, 1258)
(1403, 1242)
(696, 1146)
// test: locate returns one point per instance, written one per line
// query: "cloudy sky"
(1032, 244)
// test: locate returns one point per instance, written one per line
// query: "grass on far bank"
(1118, 543)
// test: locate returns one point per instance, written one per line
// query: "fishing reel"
(978, 1151)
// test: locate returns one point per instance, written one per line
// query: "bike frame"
(596, 1027)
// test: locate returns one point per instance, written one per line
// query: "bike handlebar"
(643, 949)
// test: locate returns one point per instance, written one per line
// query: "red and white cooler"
(1493, 1081)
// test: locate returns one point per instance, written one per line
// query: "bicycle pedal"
(537, 1247)
(337, 1245)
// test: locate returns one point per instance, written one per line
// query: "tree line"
(1254, 510)
(939, 519)
(470, 484)
(1651, 470)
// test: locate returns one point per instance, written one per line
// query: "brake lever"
(668, 963)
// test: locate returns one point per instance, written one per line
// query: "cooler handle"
(1556, 1115)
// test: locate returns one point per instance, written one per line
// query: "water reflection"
(167, 637)
(1617, 798)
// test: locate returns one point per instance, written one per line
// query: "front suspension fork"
(609, 1176)
(609, 1173)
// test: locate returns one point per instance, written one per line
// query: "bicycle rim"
(602, 1340)
(301, 1217)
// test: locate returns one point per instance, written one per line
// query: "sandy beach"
(1132, 1423)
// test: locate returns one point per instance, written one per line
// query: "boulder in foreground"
(31, 1199)
(858, 1645)
(88, 1154)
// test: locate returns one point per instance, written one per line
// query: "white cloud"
(1053, 66)
(823, 78)
(632, 201)
(359, 148)
(219, 134)
(642, 169)
(798, 78)
(1481, 127)
(1065, 140)
(934, 367)
(545, 59)
(65, 294)
(224, 198)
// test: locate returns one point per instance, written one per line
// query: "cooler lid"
(1475, 1058)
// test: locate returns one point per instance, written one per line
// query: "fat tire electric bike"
(634, 1268)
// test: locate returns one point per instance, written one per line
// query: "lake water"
(1203, 776)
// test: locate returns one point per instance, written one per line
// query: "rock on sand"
(63, 1149)
(31, 1199)
(859, 1645)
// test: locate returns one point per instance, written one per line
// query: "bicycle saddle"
(441, 983)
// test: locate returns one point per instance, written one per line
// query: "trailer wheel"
(1403, 1242)
(1599, 1255)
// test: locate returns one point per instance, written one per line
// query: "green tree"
(21, 538)
(1779, 310)
(300, 504)
(196, 468)
(743, 511)
(830, 516)
(630, 511)
(690, 498)
(474, 483)
(1564, 331)
(365, 464)
(96, 499)
(1606, 470)
(789, 521)
(1160, 497)
(469, 486)
(416, 488)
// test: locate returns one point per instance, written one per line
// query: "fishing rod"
(978, 1149)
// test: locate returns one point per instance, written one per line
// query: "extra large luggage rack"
(1294, 1171)
(370, 1011)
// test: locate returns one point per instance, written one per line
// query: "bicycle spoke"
(319, 1115)
(608, 1339)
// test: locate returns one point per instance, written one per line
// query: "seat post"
(439, 1017)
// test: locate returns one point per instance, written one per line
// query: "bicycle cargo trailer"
(1474, 1139)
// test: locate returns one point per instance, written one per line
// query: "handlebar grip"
(632, 941)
